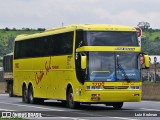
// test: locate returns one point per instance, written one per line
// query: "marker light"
(139, 32)
(135, 88)
(142, 60)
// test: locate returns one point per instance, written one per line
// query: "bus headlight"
(135, 88)
(94, 88)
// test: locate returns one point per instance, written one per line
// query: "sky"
(53, 13)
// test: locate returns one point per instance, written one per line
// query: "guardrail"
(2, 87)
(151, 91)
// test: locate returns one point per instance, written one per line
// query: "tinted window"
(7, 63)
(106, 38)
(59, 44)
(112, 38)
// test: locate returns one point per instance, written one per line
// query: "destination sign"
(130, 49)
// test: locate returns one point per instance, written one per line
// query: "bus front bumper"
(111, 96)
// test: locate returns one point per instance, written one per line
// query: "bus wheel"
(70, 100)
(24, 94)
(31, 95)
(117, 105)
(10, 90)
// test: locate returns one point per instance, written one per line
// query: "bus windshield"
(102, 66)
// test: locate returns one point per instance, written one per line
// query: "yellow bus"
(79, 64)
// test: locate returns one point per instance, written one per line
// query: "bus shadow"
(87, 107)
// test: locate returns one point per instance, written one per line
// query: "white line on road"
(4, 95)
(31, 106)
(124, 118)
(152, 101)
(6, 110)
(52, 118)
(150, 109)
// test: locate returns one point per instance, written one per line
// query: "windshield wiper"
(122, 70)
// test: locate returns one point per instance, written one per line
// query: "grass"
(152, 35)
(7, 40)
(4, 35)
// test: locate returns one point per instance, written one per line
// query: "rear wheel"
(31, 97)
(10, 90)
(24, 94)
(117, 105)
(70, 100)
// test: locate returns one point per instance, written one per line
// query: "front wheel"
(117, 105)
(70, 100)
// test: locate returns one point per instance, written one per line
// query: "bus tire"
(31, 98)
(70, 100)
(10, 90)
(117, 105)
(24, 94)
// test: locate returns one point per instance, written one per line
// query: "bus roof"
(85, 27)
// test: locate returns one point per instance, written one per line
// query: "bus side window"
(79, 72)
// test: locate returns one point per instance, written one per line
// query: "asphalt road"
(50, 109)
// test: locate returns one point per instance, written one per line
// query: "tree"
(144, 25)
(7, 29)
(41, 29)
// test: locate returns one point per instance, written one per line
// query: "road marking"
(6, 110)
(56, 116)
(67, 110)
(4, 95)
(124, 118)
(31, 106)
(150, 109)
(51, 118)
(152, 101)
(40, 108)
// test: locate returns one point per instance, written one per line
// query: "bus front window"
(102, 66)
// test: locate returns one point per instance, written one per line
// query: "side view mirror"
(83, 62)
(147, 61)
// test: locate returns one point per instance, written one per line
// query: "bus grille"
(115, 87)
